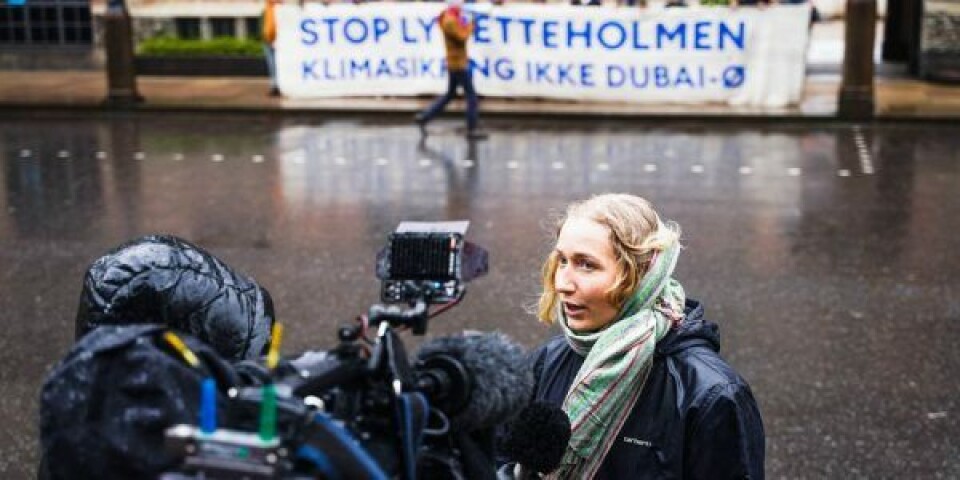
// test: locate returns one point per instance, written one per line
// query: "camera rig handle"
(398, 316)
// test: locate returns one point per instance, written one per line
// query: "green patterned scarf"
(618, 360)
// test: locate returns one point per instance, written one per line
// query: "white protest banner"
(744, 56)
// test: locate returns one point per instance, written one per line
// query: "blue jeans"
(462, 78)
(269, 56)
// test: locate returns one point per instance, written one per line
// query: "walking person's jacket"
(695, 419)
(268, 29)
(456, 32)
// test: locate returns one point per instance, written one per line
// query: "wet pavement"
(827, 255)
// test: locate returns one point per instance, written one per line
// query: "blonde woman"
(636, 368)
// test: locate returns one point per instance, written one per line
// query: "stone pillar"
(240, 26)
(206, 30)
(856, 100)
(118, 44)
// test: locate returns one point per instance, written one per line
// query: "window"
(223, 27)
(253, 27)
(76, 25)
(46, 23)
(188, 28)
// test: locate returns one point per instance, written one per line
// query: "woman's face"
(586, 270)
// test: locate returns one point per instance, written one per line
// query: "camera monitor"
(425, 260)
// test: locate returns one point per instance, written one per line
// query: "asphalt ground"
(897, 98)
(826, 253)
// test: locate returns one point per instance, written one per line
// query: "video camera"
(363, 409)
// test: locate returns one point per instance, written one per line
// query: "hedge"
(172, 46)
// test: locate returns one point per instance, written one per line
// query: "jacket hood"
(161, 279)
(693, 331)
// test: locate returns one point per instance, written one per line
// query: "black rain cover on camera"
(165, 280)
(104, 408)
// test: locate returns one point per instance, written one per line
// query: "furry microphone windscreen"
(501, 380)
(537, 438)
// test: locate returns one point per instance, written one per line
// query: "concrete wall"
(61, 58)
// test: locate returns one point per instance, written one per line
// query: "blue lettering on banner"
(405, 33)
(427, 26)
(479, 68)
(738, 39)
(621, 35)
(563, 75)
(330, 22)
(542, 73)
(504, 28)
(425, 67)
(359, 67)
(584, 34)
(327, 69)
(733, 76)
(363, 30)
(383, 69)
(680, 30)
(661, 76)
(559, 74)
(684, 77)
(502, 68)
(307, 27)
(481, 29)
(700, 36)
(307, 72)
(550, 34)
(637, 43)
(527, 29)
(586, 75)
(380, 28)
(609, 34)
(616, 76)
(327, 74)
(403, 70)
(373, 47)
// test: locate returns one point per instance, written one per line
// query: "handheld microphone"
(478, 380)
(537, 438)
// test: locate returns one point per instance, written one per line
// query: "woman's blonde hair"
(636, 234)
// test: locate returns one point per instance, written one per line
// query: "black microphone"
(479, 380)
(537, 438)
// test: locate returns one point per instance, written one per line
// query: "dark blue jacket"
(695, 419)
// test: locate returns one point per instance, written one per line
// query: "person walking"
(268, 34)
(456, 31)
